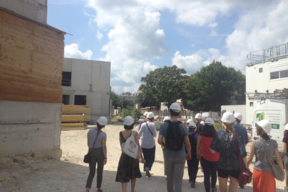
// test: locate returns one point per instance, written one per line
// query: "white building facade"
(87, 82)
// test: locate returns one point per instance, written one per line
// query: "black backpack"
(174, 138)
(193, 143)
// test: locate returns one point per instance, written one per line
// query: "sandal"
(99, 190)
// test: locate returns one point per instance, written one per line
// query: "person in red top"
(209, 161)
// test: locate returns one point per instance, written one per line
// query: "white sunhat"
(145, 114)
(128, 121)
(286, 126)
(228, 117)
(202, 122)
(198, 116)
(150, 115)
(192, 124)
(238, 116)
(209, 121)
(102, 121)
(189, 121)
(175, 107)
(167, 118)
(265, 125)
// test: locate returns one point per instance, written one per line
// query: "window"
(251, 104)
(284, 74)
(66, 79)
(274, 75)
(260, 70)
(80, 100)
(66, 99)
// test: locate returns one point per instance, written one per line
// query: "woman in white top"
(148, 132)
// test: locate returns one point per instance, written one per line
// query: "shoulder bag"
(87, 157)
(245, 176)
(149, 129)
(275, 167)
(131, 148)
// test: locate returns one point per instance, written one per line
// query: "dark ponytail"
(262, 133)
(99, 127)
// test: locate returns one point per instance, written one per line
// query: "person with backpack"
(264, 148)
(198, 119)
(209, 161)
(193, 163)
(96, 141)
(176, 134)
(166, 119)
(240, 130)
(147, 132)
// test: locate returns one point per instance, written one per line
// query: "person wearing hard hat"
(226, 142)
(145, 116)
(147, 132)
(166, 119)
(188, 123)
(128, 167)
(202, 123)
(285, 144)
(263, 177)
(193, 163)
(209, 160)
(198, 119)
(176, 134)
(96, 141)
(240, 130)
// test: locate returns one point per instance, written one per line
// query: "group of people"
(218, 152)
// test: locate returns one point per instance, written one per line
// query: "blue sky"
(138, 36)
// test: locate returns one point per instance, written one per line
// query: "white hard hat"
(175, 107)
(198, 116)
(192, 124)
(228, 117)
(238, 116)
(145, 114)
(202, 122)
(286, 126)
(150, 115)
(102, 121)
(209, 121)
(167, 118)
(265, 125)
(128, 121)
(189, 121)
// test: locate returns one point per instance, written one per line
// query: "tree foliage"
(151, 101)
(163, 84)
(213, 86)
(116, 102)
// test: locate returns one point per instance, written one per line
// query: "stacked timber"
(75, 117)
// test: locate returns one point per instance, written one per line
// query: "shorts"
(226, 173)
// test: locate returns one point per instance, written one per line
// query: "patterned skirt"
(128, 169)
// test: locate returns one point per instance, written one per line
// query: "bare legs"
(133, 184)
(223, 184)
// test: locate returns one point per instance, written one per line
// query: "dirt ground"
(27, 174)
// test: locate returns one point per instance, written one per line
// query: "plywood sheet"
(73, 124)
(72, 128)
(76, 109)
(75, 118)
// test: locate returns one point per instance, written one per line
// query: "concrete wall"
(235, 109)
(31, 62)
(90, 78)
(262, 82)
(33, 9)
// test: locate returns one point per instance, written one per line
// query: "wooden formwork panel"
(76, 109)
(75, 118)
(73, 124)
(72, 128)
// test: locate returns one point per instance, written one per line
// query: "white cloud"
(190, 63)
(99, 35)
(214, 24)
(72, 51)
(213, 33)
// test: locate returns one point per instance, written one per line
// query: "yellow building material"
(72, 128)
(75, 118)
(76, 109)
(73, 124)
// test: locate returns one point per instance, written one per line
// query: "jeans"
(149, 156)
(193, 168)
(209, 169)
(175, 169)
(286, 170)
(97, 156)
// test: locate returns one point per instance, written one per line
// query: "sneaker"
(214, 189)
(192, 184)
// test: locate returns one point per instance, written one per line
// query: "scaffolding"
(277, 94)
(268, 55)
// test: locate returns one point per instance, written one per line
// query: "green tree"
(163, 84)
(115, 99)
(213, 86)
(151, 101)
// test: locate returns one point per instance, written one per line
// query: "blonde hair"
(228, 126)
